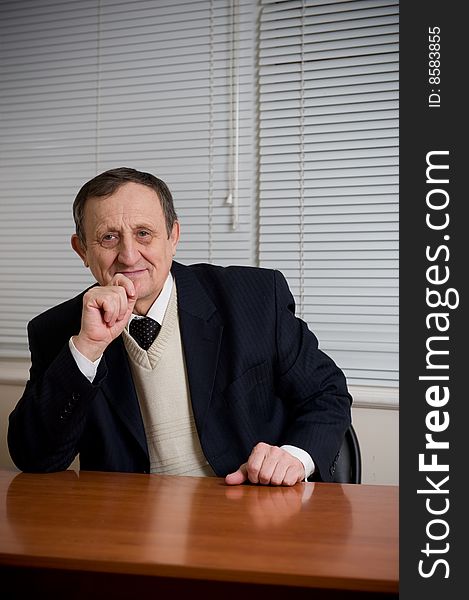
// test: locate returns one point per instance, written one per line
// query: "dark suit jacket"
(255, 374)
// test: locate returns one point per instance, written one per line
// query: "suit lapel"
(201, 332)
(119, 389)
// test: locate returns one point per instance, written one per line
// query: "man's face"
(126, 233)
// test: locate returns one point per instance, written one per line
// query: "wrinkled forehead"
(131, 205)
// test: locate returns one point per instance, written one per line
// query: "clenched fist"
(106, 311)
(268, 465)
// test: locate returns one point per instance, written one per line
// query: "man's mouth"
(133, 274)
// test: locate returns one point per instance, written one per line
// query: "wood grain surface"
(318, 536)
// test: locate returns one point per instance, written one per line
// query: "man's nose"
(128, 251)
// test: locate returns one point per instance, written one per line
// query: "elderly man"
(165, 368)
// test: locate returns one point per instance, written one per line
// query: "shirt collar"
(158, 308)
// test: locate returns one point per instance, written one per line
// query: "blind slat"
(328, 173)
(142, 84)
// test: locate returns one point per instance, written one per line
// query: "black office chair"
(349, 464)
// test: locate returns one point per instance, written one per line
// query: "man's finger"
(121, 280)
(238, 477)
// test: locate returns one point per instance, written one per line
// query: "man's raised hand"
(106, 311)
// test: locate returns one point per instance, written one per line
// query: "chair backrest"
(349, 464)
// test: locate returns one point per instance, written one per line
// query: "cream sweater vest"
(160, 379)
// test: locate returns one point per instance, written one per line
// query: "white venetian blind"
(329, 173)
(163, 86)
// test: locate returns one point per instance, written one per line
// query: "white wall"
(9, 395)
(378, 433)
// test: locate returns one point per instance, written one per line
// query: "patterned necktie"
(144, 331)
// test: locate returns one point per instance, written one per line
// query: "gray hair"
(109, 182)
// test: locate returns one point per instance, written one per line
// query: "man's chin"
(145, 298)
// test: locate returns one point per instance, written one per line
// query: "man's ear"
(79, 248)
(174, 237)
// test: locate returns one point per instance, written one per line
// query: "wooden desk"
(120, 535)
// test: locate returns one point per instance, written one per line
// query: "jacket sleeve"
(46, 425)
(312, 384)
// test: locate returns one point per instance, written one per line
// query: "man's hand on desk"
(268, 465)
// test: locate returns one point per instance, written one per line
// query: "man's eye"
(109, 239)
(143, 233)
